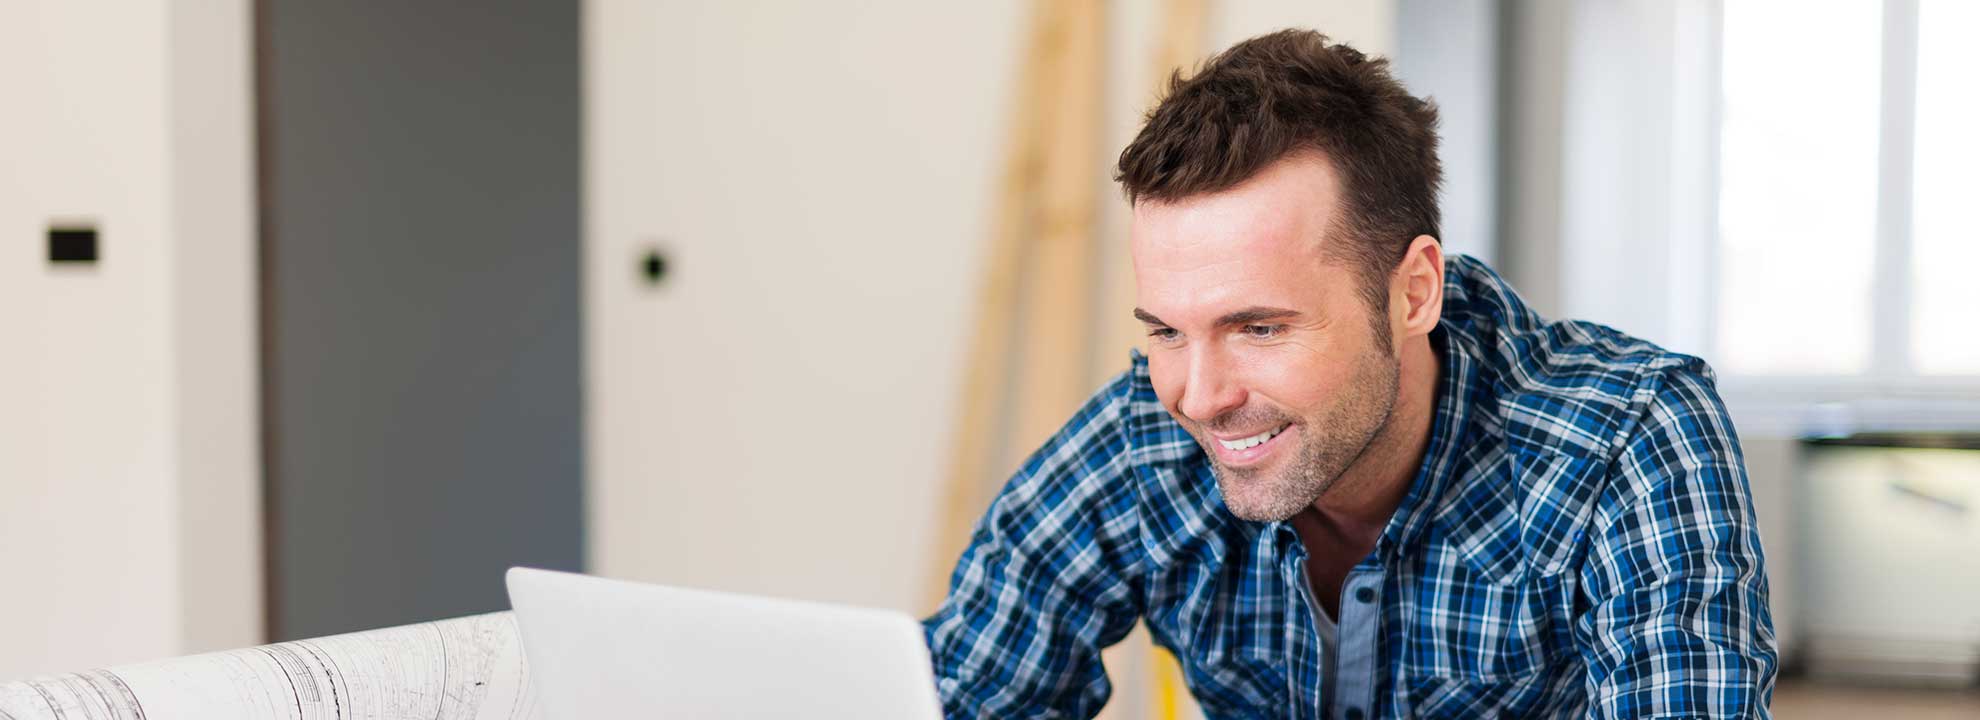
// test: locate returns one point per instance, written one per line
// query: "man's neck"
(1369, 491)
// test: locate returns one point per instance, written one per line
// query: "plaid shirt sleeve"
(1678, 624)
(1047, 579)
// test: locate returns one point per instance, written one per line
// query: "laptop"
(600, 648)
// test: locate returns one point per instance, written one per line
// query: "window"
(1849, 132)
(1945, 246)
(1798, 187)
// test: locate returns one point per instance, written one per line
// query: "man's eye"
(1263, 332)
(1163, 334)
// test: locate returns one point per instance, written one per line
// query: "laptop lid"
(611, 648)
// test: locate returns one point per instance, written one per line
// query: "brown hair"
(1290, 91)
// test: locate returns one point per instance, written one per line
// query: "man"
(1352, 477)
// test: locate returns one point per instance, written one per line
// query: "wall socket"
(72, 244)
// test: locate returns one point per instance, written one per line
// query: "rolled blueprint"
(467, 668)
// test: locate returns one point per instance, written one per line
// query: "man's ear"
(1416, 289)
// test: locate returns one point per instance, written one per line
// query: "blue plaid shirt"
(1579, 542)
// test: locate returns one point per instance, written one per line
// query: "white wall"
(128, 504)
(772, 419)
(1449, 51)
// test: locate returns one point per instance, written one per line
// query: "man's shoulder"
(1119, 464)
(1107, 451)
(1581, 387)
(1552, 406)
(1153, 435)
(1572, 386)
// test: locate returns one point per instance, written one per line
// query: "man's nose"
(1209, 391)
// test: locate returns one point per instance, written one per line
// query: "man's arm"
(1046, 581)
(1678, 624)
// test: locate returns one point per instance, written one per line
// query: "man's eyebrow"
(1254, 314)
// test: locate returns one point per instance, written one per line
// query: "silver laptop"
(602, 648)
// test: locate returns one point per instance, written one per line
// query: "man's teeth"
(1254, 440)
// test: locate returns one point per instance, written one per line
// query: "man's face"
(1260, 342)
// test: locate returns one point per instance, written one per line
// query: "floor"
(1802, 700)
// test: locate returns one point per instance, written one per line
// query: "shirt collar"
(1457, 351)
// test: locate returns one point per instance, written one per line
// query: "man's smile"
(1251, 449)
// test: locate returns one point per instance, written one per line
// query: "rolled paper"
(466, 668)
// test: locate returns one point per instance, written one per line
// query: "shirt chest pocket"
(1473, 631)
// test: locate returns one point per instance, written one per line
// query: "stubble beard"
(1329, 445)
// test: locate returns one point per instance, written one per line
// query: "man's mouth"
(1246, 443)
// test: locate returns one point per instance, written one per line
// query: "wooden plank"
(1055, 330)
(1184, 27)
(1179, 47)
(979, 446)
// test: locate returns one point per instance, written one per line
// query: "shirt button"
(1354, 713)
(1365, 594)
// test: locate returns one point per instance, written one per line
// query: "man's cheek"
(1166, 389)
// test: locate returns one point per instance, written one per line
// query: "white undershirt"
(1329, 650)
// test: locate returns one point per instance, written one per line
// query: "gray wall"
(420, 270)
(1449, 50)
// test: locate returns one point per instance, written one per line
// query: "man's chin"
(1247, 498)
